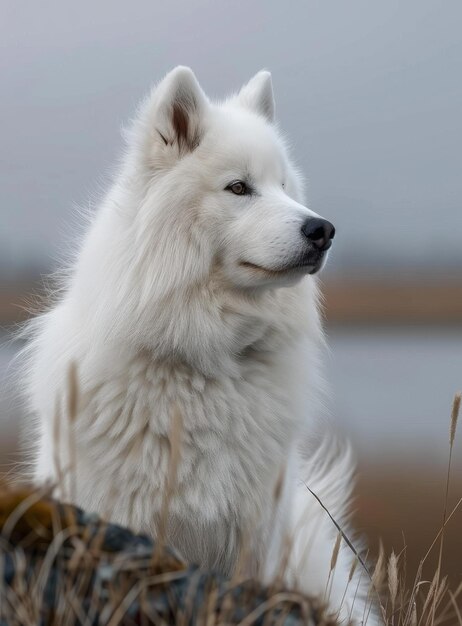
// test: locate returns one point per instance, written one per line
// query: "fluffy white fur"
(176, 303)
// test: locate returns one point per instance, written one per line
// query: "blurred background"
(370, 96)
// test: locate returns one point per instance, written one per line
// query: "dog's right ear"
(176, 110)
(257, 95)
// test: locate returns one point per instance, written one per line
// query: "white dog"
(193, 294)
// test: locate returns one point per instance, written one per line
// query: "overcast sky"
(369, 93)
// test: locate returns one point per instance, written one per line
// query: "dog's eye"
(239, 188)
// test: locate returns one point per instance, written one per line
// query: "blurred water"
(391, 390)
(10, 413)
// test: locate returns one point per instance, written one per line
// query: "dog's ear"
(178, 108)
(258, 96)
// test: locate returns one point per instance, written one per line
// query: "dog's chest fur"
(235, 439)
(234, 433)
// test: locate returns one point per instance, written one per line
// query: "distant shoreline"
(360, 301)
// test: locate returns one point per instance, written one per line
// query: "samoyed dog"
(194, 300)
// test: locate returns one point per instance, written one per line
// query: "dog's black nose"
(320, 232)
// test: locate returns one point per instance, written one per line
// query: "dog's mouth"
(309, 265)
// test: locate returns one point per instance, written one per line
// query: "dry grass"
(56, 568)
(416, 599)
(60, 566)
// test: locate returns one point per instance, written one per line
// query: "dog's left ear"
(176, 110)
(257, 95)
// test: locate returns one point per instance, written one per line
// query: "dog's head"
(219, 188)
